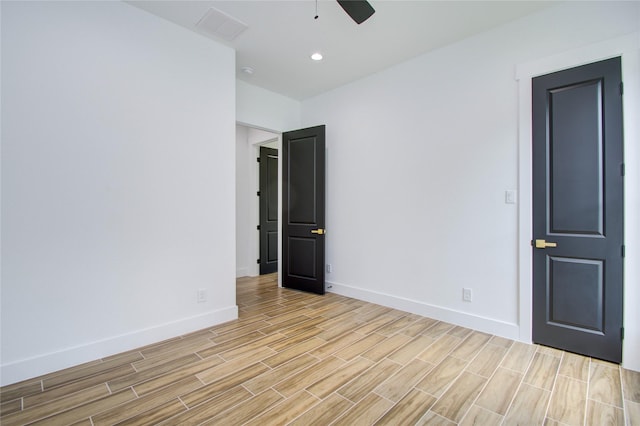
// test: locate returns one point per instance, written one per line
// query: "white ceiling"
(282, 35)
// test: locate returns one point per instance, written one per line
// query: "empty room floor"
(302, 359)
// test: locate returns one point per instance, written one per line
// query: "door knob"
(318, 231)
(542, 244)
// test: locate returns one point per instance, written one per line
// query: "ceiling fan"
(358, 10)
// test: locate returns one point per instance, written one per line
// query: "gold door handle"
(318, 231)
(542, 244)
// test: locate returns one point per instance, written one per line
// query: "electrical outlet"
(329, 268)
(467, 294)
(201, 295)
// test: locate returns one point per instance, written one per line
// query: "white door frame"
(628, 47)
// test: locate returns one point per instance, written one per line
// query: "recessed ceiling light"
(316, 56)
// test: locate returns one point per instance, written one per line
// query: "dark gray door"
(578, 210)
(268, 210)
(303, 174)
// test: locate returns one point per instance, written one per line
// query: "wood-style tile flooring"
(301, 359)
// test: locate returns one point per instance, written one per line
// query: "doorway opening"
(302, 153)
(249, 141)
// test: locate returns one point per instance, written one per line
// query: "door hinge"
(258, 227)
(622, 170)
(258, 261)
(623, 250)
(258, 193)
(621, 333)
(258, 159)
(621, 88)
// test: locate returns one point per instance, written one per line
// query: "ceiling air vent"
(217, 23)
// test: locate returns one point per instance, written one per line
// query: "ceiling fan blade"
(359, 10)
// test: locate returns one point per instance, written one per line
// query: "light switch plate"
(510, 196)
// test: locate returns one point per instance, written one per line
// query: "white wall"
(117, 203)
(263, 109)
(418, 160)
(244, 206)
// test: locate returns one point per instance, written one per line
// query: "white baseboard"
(464, 319)
(247, 272)
(47, 363)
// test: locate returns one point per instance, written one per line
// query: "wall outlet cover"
(467, 294)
